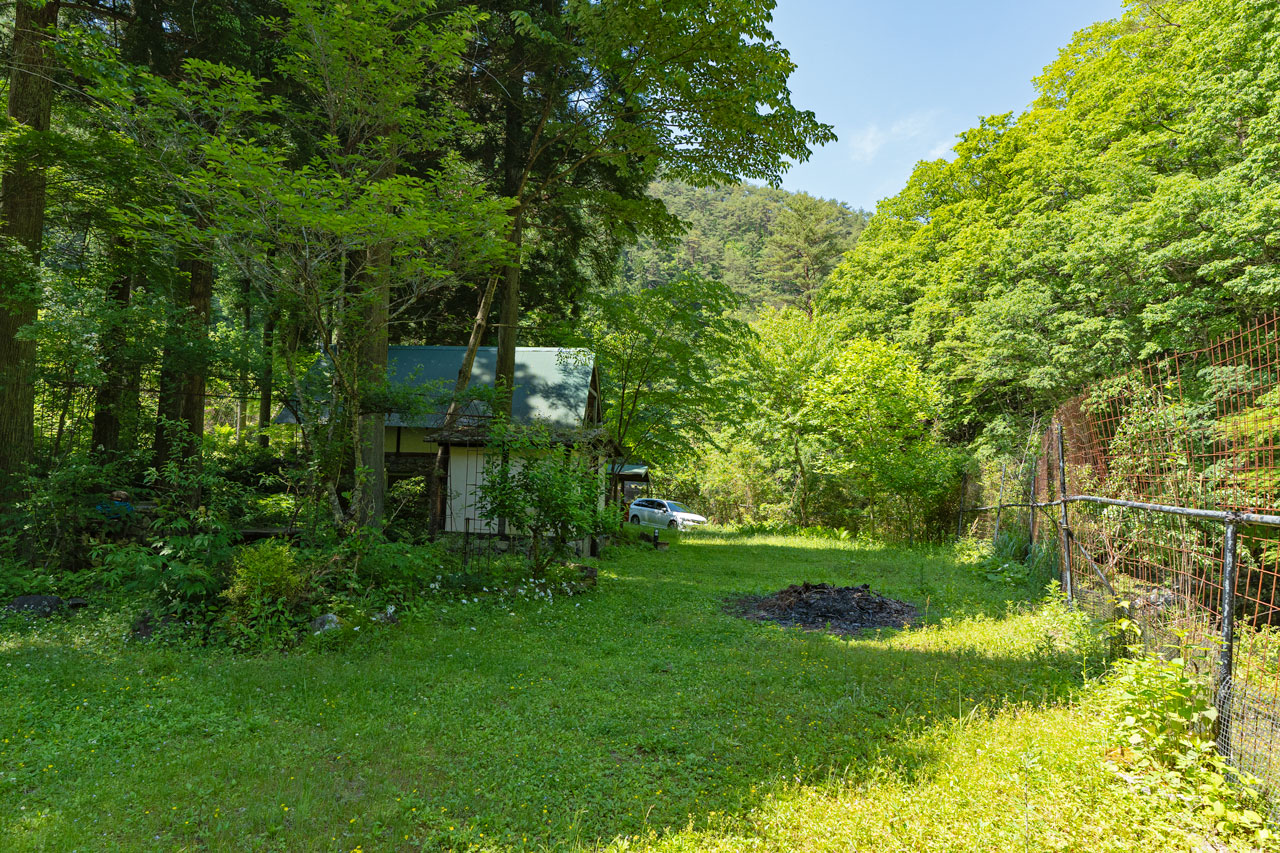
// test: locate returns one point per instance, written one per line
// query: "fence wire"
(1197, 430)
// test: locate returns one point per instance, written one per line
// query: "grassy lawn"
(638, 716)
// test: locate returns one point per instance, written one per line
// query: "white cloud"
(914, 125)
(941, 151)
(866, 144)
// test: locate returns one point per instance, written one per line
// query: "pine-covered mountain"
(772, 247)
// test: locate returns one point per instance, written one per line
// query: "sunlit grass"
(639, 715)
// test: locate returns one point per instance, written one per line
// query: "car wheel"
(672, 524)
(635, 519)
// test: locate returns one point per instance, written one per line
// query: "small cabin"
(556, 387)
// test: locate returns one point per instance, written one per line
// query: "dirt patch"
(842, 610)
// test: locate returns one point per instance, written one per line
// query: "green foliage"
(190, 535)
(267, 596)
(544, 490)
(401, 570)
(19, 577)
(1119, 217)
(66, 510)
(1165, 724)
(661, 350)
(265, 570)
(1012, 561)
(767, 246)
(827, 430)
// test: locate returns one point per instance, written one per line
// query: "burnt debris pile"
(843, 610)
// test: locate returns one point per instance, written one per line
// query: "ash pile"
(842, 610)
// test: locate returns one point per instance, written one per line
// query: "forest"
(219, 214)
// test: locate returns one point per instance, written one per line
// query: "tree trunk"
(169, 400)
(266, 377)
(22, 206)
(180, 413)
(509, 321)
(371, 502)
(513, 168)
(455, 406)
(804, 484)
(193, 393)
(109, 400)
(242, 380)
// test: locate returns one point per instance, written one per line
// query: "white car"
(664, 514)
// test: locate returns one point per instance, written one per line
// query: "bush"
(402, 569)
(1011, 559)
(409, 509)
(552, 496)
(1164, 724)
(192, 537)
(265, 570)
(267, 595)
(508, 570)
(62, 513)
(22, 578)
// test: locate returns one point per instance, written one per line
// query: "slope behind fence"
(1172, 515)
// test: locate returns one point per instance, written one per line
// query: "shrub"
(265, 570)
(507, 570)
(1011, 559)
(267, 595)
(60, 515)
(409, 509)
(551, 496)
(401, 568)
(1164, 723)
(23, 578)
(191, 536)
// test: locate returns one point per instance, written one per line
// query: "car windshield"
(678, 507)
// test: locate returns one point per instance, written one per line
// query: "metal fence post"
(1031, 505)
(1223, 685)
(995, 536)
(1067, 580)
(466, 542)
(964, 486)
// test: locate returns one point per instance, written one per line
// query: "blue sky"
(898, 80)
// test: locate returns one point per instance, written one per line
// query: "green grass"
(638, 716)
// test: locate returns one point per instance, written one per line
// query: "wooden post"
(964, 486)
(1066, 530)
(1223, 686)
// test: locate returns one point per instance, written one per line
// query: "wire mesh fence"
(1160, 491)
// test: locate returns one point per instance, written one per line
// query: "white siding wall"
(466, 473)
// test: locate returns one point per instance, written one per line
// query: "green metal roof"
(629, 472)
(553, 385)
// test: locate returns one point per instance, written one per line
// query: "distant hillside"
(771, 246)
